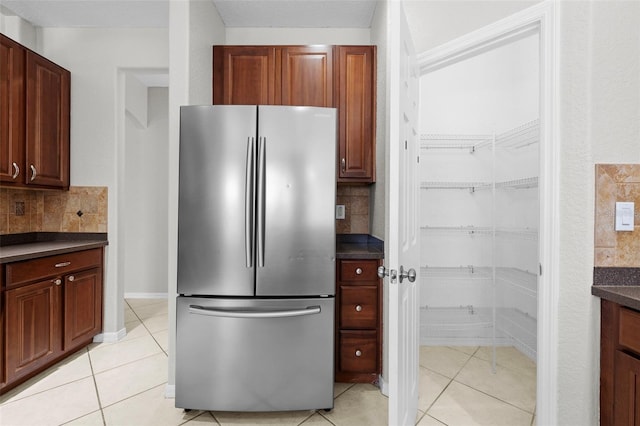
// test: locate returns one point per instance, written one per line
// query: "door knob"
(410, 274)
(382, 272)
(391, 273)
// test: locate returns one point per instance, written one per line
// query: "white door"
(403, 238)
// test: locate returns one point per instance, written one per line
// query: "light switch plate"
(624, 216)
(340, 211)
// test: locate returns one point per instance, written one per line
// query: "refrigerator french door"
(256, 258)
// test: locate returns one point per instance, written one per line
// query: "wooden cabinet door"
(627, 390)
(33, 327)
(307, 75)
(355, 98)
(82, 307)
(12, 115)
(245, 75)
(48, 91)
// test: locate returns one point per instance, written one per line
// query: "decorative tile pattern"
(81, 209)
(616, 182)
(123, 383)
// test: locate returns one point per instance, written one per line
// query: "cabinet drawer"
(358, 351)
(358, 270)
(31, 270)
(629, 334)
(358, 306)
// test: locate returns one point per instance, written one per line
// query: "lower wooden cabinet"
(358, 321)
(51, 307)
(627, 390)
(619, 365)
(82, 307)
(33, 328)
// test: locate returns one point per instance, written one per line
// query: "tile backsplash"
(616, 182)
(81, 209)
(356, 203)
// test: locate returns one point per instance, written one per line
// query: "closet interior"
(479, 164)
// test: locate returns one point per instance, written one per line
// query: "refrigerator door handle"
(262, 141)
(201, 310)
(249, 205)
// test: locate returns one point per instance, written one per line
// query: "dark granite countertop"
(618, 285)
(32, 245)
(359, 246)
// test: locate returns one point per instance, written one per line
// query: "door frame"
(541, 19)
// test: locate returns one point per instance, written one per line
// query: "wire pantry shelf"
(455, 318)
(463, 273)
(471, 186)
(518, 137)
(521, 136)
(458, 230)
(525, 281)
(528, 234)
(525, 183)
(455, 142)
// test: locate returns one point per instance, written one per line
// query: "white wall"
(435, 22)
(145, 198)
(94, 57)
(262, 36)
(18, 29)
(599, 109)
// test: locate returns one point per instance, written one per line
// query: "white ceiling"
(234, 13)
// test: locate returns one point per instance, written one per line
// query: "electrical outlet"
(340, 211)
(19, 208)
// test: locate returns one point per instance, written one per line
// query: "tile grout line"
(471, 387)
(448, 384)
(95, 384)
(488, 394)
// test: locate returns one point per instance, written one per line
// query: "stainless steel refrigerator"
(256, 258)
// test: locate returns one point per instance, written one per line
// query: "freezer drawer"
(254, 354)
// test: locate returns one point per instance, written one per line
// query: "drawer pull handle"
(358, 271)
(72, 278)
(34, 173)
(358, 352)
(16, 170)
(62, 264)
(358, 308)
(57, 281)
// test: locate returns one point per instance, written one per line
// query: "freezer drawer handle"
(201, 310)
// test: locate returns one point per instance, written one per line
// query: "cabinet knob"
(358, 271)
(16, 170)
(72, 278)
(57, 281)
(358, 352)
(358, 308)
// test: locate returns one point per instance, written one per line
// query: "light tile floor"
(123, 383)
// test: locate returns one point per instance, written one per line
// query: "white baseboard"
(145, 295)
(112, 337)
(383, 385)
(170, 391)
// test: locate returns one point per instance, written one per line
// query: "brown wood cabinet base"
(619, 365)
(358, 321)
(51, 307)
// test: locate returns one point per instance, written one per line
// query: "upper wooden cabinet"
(343, 77)
(273, 75)
(356, 102)
(307, 75)
(244, 75)
(12, 110)
(35, 99)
